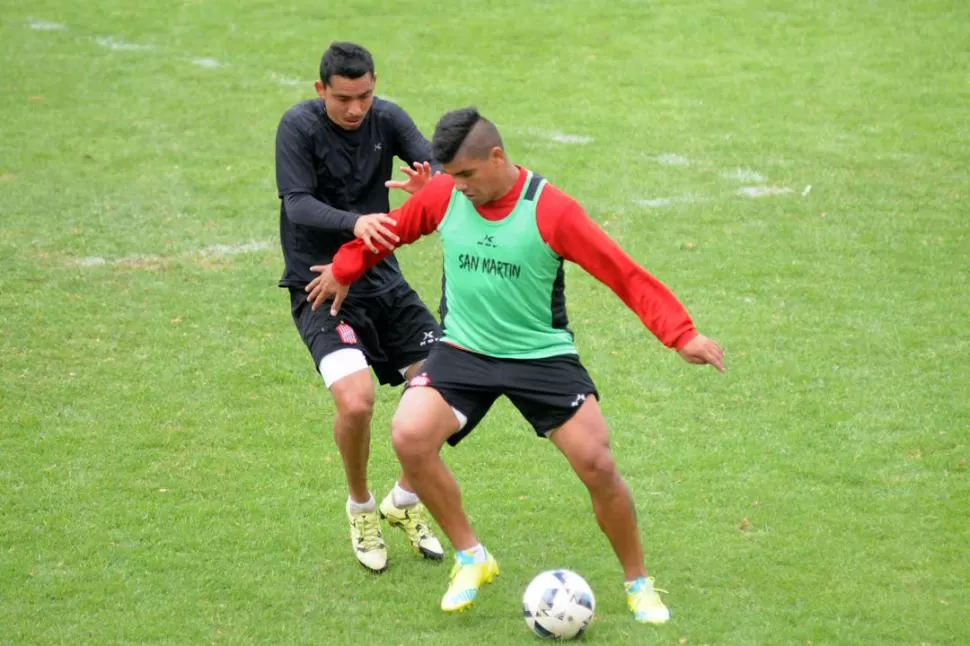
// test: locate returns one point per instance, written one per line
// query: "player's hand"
(416, 180)
(325, 286)
(701, 350)
(373, 229)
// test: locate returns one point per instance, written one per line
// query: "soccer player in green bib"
(505, 233)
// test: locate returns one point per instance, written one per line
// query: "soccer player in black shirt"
(334, 159)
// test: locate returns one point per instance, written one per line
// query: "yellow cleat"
(645, 603)
(466, 579)
(413, 521)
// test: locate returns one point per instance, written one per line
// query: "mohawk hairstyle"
(454, 133)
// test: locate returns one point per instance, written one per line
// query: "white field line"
(208, 63)
(563, 138)
(216, 250)
(671, 159)
(285, 80)
(763, 191)
(747, 191)
(745, 175)
(44, 25)
(120, 45)
(657, 202)
(555, 136)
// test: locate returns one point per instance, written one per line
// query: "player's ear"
(496, 156)
(319, 87)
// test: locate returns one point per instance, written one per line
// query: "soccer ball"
(558, 604)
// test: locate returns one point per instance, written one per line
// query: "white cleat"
(367, 540)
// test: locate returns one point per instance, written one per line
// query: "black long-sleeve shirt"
(327, 177)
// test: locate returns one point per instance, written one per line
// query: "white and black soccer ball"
(558, 604)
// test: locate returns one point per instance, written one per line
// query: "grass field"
(166, 469)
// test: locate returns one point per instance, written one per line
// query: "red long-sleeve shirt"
(564, 226)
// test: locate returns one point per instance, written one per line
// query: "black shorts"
(547, 392)
(393, 330)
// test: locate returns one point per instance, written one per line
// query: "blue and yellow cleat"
(466, 578)
(645, 603)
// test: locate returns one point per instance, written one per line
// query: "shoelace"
(417, 520)
(370, 533)
(638, 587)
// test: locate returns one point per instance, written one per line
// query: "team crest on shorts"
(419, 381)
(346, 334)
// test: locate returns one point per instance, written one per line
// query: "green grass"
(166, 470)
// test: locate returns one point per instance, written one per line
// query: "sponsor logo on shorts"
(429, 338)
(579, 400)
(420, 381)
(346, 334)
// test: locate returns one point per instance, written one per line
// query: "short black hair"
(453, 129)
(345, 59)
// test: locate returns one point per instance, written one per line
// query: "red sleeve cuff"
(684, 339)
(342, 277)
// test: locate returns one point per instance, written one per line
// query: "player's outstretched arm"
(573, 235)
(569, 232)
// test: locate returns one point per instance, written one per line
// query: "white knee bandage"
(462, 418)
(341, 363)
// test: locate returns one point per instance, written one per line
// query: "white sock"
(402, 498)
(477, 553)
(361, 507)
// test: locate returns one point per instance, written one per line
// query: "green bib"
(502, 292)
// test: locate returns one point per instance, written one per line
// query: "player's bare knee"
(597, 469)
(356, 404)
(407, 439)
(411, 439)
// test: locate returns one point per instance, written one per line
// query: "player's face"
(480, 180)
(348, 100)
